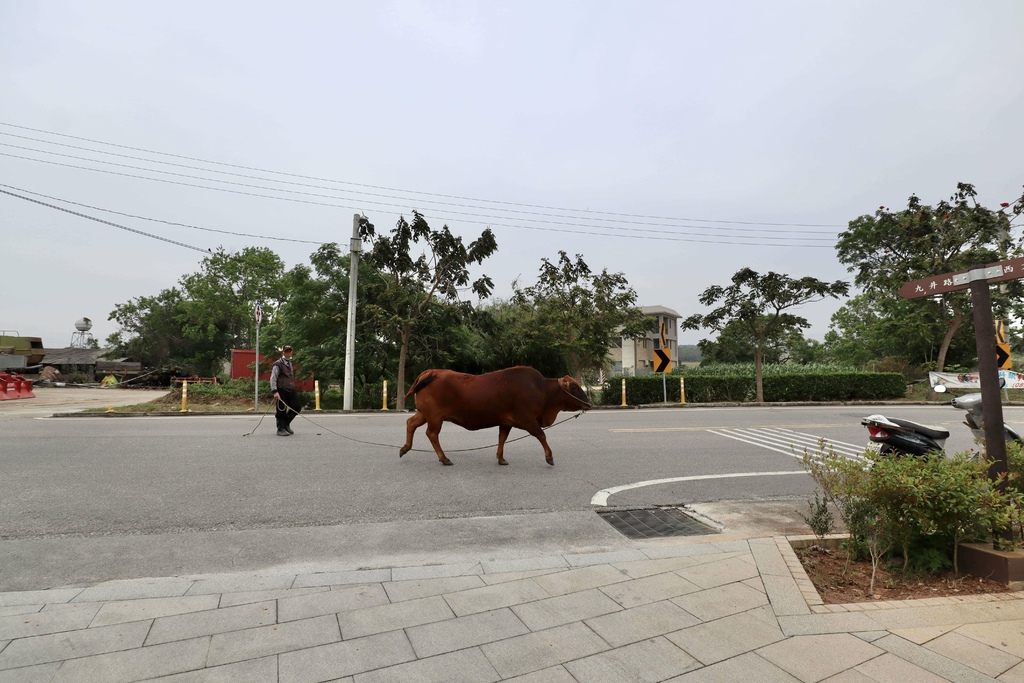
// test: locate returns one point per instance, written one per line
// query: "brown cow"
(517, 397)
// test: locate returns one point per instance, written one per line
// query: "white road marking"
(777, 439)
(601, 497)
(701, 429)
(790, 443)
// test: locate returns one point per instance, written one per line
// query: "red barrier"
(26, 388)
(14, 386)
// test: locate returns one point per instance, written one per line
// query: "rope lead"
(386, 445)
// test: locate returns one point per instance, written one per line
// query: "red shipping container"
(241, 366)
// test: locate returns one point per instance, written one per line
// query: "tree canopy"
(580, 314)
(211, 312)
(757, 305)
(736, 344)
(414, 285)
(890, 248)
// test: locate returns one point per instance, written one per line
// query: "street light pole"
(355, 247)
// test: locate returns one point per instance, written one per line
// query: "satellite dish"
(83, 325)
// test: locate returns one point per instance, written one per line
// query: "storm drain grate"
(656, 523)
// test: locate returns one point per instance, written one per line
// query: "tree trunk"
(758, 369)
(958, 319)
(402, 353)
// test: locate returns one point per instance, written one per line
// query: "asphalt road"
(86, 477)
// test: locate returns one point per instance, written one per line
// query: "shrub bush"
(736, 383)
(921, 506)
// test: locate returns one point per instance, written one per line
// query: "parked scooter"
(975, 418)
(904, 437)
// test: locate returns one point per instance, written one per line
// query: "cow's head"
(575, 391)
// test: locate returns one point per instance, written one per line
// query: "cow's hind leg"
(432, 432)
(503, 431)
(411, 425)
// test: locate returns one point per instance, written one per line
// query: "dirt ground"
(838, 582)
(50, 400)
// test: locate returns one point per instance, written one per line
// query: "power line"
(399, 206)
(491, 224)
(160, 220)
(100, 220)
(427, 194)
(322, 187)
(317, 203)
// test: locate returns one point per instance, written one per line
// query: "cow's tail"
(425, 378)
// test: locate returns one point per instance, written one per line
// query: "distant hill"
(689, 353)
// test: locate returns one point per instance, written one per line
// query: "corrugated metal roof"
(74, 356)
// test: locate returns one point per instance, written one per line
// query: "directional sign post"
(978, 281)
(662, 362)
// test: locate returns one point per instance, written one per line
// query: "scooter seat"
(927, 430)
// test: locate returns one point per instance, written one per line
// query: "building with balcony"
(636, 356)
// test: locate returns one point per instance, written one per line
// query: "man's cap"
(287, 347)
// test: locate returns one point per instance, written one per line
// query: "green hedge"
(722, 388)
(366, 396)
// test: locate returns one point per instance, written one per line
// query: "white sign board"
(970, 380)
(259, 313)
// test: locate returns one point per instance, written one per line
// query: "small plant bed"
(839, 582)
(222, 401)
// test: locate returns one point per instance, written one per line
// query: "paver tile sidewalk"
(698, 611)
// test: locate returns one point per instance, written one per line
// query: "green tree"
(314, 318)
(150, 330)
(759, 303)
(511, 335)
(736, 344)
(888, 249)
(210, 312)
(580, 314)
(412, 287)
(874, 326)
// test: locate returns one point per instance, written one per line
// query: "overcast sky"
(675, 142)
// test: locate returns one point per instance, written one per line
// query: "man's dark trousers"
(287, 408)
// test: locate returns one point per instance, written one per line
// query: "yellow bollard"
(682, 390)
(316, 391)
(184, 396)
(385, 406)
(623, 391)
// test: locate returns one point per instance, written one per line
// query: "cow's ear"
(564, 382)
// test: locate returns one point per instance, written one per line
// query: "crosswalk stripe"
(790, 442)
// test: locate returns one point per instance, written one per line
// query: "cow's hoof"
(447, 463)
(402, 451)
(502, 462)
(551, 461)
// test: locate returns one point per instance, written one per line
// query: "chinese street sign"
(978, 280)
(952, 282)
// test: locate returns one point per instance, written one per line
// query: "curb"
(648, 406)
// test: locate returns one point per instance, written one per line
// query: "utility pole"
(355, 247)
(256, 365)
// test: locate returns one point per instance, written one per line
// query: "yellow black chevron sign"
(1003, 359)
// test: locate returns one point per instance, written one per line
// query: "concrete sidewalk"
(709, 608)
